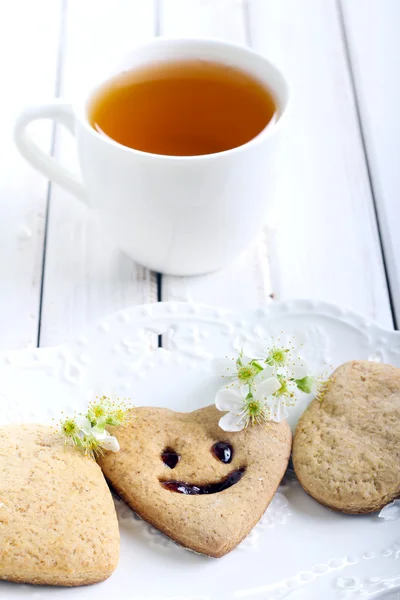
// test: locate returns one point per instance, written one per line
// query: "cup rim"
(270, 128)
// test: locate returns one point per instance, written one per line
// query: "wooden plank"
(28, 73)
(372, 32)
(244, 283)
(322, 241)
(326, 242)
(86, 276)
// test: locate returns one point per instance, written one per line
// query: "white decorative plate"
(300, 550)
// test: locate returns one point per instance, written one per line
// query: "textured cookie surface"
(346, 449)
(57, 520)
(211, 524)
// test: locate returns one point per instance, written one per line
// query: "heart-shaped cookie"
(57, 519)
(203, 487)
(346, 449)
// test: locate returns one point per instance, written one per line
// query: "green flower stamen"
(254, 411)
(247, 373)
(284, 389)
(69, 428)
(277, 357)
(99, 411)
(92, 446)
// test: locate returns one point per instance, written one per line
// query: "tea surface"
(182, 108)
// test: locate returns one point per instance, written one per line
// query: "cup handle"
(61, 112)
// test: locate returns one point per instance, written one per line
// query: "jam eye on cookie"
(170, 457)
(223, 452)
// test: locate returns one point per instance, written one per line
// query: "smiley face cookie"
(203, 487)
(346, 449)
(57, 520)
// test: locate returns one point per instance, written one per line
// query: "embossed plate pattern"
(299, 550)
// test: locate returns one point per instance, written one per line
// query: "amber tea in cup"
(185, 108)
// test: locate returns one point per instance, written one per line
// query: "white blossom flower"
(243, 408)
(281, 354)
(89, 432)
(264, 381)
(106, 441)
(243, 371)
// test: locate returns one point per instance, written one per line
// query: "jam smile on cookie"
(183, 487)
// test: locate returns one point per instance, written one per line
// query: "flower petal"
(391, 512)
(315, 386)
(246, 359)
(232, 421)
(99, 432)
(107, 441)
(255, 350)
(298, 367)
(267, 387)
(84, 424)
(243, 389)
(277, 409)
(224, 367)
(266, 373)
(110, 443)
(228, 399)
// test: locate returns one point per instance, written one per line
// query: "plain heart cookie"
(203, 487)
(57, 519)
(346, 449)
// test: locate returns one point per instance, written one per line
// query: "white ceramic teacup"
(179, 215)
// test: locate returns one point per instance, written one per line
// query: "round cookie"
(57, 519)
(346, 449)
(203, 487)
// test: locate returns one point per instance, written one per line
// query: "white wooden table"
(336, 232)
